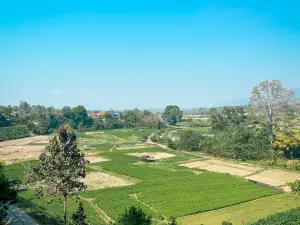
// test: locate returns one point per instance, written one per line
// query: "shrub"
(14, 132)
(134, 216)
(189, 140)
(78, 218)
(226, 223)
(172, 144)
(7, 194)
(291, 217)
(241, 142)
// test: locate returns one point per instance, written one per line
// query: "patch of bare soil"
(155, 155)
(93, 132)
(235, 165)
(41, 142)
(100, 180)
(26, 152)
(274, 177)
(95, 159)
(23, 141)
(217, 168)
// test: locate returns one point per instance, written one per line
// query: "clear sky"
(146, 54)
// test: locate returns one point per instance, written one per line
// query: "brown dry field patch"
(23, 141)
(100, 180)
(217, 168)
(274, 177)
(235, 165)
(155, 155)
(20, 150)
(95, 159)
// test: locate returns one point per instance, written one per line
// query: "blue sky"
(145, 54)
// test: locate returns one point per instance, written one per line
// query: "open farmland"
(162, 189)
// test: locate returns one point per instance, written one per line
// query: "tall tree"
(172, 114)
(61, 168)
(270, 99)
(80, 117)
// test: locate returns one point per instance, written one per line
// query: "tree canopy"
(61, 168)
(172, 114)
(270, 98)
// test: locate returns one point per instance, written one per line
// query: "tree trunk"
(271, 134)
(65, 209)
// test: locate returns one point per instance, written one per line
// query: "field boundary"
(101, 213)
(135, 197)
(226, 207)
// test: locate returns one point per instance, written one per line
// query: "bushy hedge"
(241, 142)
(291, 217)
(13, 132)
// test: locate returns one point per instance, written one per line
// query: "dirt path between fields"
(134, 196)
(101, 213)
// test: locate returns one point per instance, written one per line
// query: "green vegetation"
(291, 217)
(134, 216)
(7, 194)
(60, 169)
(246, 212)
(79, 218)
(41, 120)
(13, 132)
(172, 114)
(164, 189)
(240, 142)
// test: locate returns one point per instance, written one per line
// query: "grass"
(291, 217)
(164, 189)
(246, 212)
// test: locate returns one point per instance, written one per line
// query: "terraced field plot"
(162, 189)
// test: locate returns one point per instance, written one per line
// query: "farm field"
(162, 189)
(246, 212)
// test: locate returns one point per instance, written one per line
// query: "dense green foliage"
(291, 217)
(189, 140)
(78, 217)
(240, 142)
(134, 216)
(172, 114)
(42, 120)
(7, 194)
(4, 122)
(228, 116)
(13, 132)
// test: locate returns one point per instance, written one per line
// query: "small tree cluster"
(134, 216)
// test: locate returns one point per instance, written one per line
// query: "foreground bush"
(291, 217)
(13, 132)
(134, 216)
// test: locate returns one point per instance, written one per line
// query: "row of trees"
(42, 120)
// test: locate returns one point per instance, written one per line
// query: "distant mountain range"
(245, 101)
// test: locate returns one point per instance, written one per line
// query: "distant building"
(96, 115)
